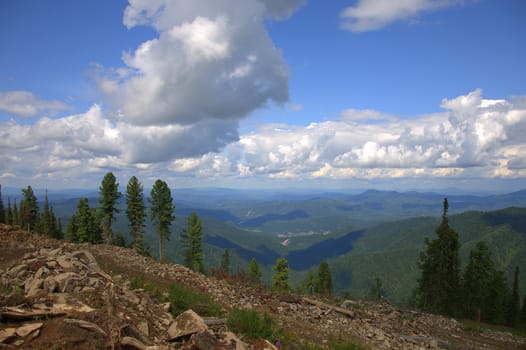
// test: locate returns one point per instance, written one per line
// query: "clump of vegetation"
(183, 298)
(334, 343)
(138, 282)
(250, 324)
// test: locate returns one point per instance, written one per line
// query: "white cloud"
(472, 138)
(183, 93)
(212, 63)
(368, 15)
(26, 105)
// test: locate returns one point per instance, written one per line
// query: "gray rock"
(65, 264)
(186, 324)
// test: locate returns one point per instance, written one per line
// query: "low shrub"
(183, 298)
(250, 324)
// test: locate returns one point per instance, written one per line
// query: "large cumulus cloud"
(212, 65)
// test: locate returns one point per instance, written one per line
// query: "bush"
(183, 298)
(248, 323)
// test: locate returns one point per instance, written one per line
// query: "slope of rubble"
(60, 295)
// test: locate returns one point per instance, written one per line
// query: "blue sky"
(413, 94)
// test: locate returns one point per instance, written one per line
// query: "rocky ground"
(58, 295)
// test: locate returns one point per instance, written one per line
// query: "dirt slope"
(59, 295)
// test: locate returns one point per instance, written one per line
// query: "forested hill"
(390, 251)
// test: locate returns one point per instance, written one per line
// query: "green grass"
(481, 327)
(180, 297)
(251, 325)
(183, 298)
(293, 342)
(138, 282)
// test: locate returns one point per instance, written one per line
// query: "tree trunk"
(160, 248)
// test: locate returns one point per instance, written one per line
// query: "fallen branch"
(340, 310)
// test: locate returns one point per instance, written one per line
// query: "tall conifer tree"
(324, 281)
(225, 262)
(476, 280)
(29, 209)
(513, 305)
(439, 284)
(108, 200)
(280, 279)
(161, 212)
(192, 240)
(2, 209)
(254, 271)
(46, 221)
(136, 212)
(16, 214)
(9, 212)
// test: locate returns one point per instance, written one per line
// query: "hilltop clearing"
(58, 295)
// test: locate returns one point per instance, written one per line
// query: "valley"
(373, 234)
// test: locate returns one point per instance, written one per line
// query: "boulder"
(204, 341)
(186, 324)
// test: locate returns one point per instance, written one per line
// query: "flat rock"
(28, 328)
(7, 334)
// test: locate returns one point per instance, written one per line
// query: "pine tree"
(108, 199)
(83, 226)
(280, 279)
(192, 240)
(495, 299)
(136, 212)
(16, 215)
(45, 219)
(72, 229)
(476, 280)
(254, 272)
(161, 211)
(54, 223)
(29, 209)
(225, 262)
(439, 283)
(375, 290)
(308, 285)
(523, 311)
(513, 305)
(324, 281)
(2, 209)
(9, 213)
(87, 223)
(59, 234)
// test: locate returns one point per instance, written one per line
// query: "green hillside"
(391, 250)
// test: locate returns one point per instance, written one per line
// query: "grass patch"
(138, 282)
(250, 324)
(183, 298)
(476, 327)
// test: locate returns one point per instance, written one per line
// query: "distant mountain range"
(364, 235)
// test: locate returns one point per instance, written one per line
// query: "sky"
(400, 95)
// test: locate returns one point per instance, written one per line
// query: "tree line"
(94, 225)
(27, 214)
(480, 292)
